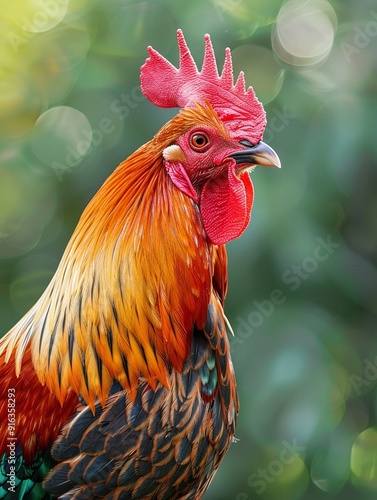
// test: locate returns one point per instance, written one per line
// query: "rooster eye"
(199, 141)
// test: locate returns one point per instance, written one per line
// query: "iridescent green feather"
(23, 482)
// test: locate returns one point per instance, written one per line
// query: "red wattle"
(225, 205)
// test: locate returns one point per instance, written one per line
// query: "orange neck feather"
(134, 279)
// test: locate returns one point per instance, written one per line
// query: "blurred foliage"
(303, 278)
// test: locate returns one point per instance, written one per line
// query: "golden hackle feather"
(135, 278)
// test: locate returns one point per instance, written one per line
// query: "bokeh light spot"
(364, 458)
(243, 17)
(37, 16)
(62, 136)
(27, 205)
(21, 102)
(63, 50)
(330, 464)
(304, 32)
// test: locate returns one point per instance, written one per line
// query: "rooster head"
(219, 136)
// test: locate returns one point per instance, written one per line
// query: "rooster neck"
(134, 280)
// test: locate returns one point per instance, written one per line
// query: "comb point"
(186, 62)
(209, 68)
(240, 83)
(227, 72)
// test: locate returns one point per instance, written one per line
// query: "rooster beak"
(259, 154)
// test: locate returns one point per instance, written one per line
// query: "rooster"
(118, 383)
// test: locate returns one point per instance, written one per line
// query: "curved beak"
(260, 154)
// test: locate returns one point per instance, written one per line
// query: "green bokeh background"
(303, 277)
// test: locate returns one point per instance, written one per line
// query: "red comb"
(168, 87)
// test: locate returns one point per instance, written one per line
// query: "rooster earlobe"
(181, 180)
